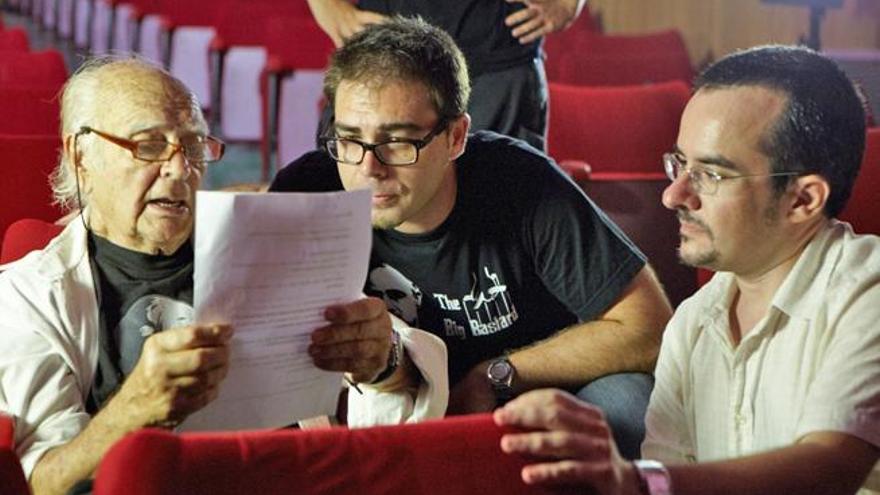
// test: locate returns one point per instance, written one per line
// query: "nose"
(177, 167)
(679, 193)
(372, 167)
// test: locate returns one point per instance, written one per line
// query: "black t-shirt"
(138, 294)
(523, 254)
(477, 26)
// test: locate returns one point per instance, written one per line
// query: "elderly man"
(97, 331)
(768, 379)
(526, 281)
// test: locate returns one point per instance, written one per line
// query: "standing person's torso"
(476, 25)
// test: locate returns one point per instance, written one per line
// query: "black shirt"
(477, 26)
(138, 294)
(523, 254)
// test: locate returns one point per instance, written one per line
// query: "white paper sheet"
(269, 264)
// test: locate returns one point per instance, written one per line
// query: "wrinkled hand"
(542, 17)
(340, 19)
(178, 373)
(575, 443)
(473, 394)
(357, 340)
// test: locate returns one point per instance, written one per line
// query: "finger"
(520, 16)
(364, 309)
(195, 361)
(358, 349)
(548, 409)
(191, 337)
(375, 329)
(533, 28)
(559, 445)
(569, 472)
(534, 35)
(193, 384)
(368, 17)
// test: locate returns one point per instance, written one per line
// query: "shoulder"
(495, 162)
(313, 172)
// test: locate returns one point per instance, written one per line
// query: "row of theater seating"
(405, 459)
(255, 65)
(29, 143)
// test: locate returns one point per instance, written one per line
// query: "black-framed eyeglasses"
(703, 180)
(196, 149)
(395, 152)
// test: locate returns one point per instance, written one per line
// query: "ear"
(458, 132)
(810, 193)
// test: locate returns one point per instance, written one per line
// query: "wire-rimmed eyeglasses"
(703, 180)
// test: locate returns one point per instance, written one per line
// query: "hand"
(473, 393)
(341, 20)
(541, 17)
(178, 373)
(575, 443)
(357, 340)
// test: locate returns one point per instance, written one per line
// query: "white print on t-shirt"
(490, 311)
(401, 296)
(487, 312)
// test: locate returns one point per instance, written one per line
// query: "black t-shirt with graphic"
(477, 26)
(523, 254)
(138, 295)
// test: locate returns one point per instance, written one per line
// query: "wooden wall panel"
(717, 27)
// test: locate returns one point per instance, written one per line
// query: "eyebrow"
(384, 128)
(714, 160)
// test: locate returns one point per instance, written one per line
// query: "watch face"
(499, 371)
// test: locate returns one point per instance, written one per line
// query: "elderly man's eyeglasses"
(196, 149)
(395, 152)
(702, 180)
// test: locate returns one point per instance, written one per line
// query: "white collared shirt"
(811, 364)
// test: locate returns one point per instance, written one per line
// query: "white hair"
(81, 105)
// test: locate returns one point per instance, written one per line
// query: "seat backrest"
(32, 68)
(863, 208)
(26, 163)
(30, 111)
(12, 480)
(632, 200)
(246, 24)
(297, 43)
(595, 59)
(454, 456)
(14, 39)
(26, 235)
(615, 129)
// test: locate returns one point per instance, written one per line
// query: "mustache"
(686, 216)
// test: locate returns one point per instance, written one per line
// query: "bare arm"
(577, 448)
(340, 19)
(542, 17)
(178, 373)
(625, 338)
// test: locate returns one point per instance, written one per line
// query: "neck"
(755, 290)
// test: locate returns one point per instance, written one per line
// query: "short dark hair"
(822, 128)
(404, 49)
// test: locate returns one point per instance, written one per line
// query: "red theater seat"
(26, 235)
(26, 163)
(32, 68)
(863, 209)
(615, 129)
(30, 111)
(454, 456)
(14, 40)
(12, 481)
(595, 59)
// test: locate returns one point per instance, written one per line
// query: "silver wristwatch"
(501, 373)
(395, 356)
(654, 477)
